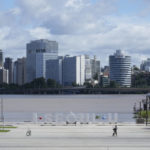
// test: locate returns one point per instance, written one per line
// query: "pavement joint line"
(74, 146)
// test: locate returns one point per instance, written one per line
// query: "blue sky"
(7, 4)
(94, 27)
(125, 7)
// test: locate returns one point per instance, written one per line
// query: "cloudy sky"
(94, 27)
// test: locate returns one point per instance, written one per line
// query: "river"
(21, 107)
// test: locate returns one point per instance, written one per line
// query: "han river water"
(20, 108)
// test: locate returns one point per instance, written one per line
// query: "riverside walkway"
(90, 137)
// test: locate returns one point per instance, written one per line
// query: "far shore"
(75, 90)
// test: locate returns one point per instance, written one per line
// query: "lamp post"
(2, 112)
(140, 108)
(147, 99)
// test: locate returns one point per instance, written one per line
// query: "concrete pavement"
(76, 138)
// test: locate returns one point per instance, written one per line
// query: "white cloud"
(66, 17)
(40, 33)
(4, 32)
(80, 27)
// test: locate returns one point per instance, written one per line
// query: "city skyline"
(93, 27)
(85, 54)
(42, 61)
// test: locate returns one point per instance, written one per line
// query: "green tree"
(13, 86)
(51, 83)
(28, 86)
(113, 84)
(4, 85)
(95, 77)
(88, 85)
(141, 80)
(74, 84)
(39, 83)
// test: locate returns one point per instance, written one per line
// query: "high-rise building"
(20, 71)
(41, 60)
(145, 66)
(1, 58)
(54, 70)
(95, 68)
(4, 77)
(8, 64)
(88, 68)
(38, 52)
(74, 70)
(92, 68)
(120, 69)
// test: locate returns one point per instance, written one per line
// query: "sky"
(93, 27)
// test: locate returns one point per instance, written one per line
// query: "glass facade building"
(145, 66)
(120, 69)
(1, 58)
(9, 66)
(38, 52)
(54, 70)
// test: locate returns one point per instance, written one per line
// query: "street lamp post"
(147, 99)
(140, 109)
(2, 112)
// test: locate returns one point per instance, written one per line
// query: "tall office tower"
(1, 58)
(38, 52)
(73, 70)
(54, 70)
(20, 71)
(145, 66)
(95, 66)
(4, 77)
(8, 64)
(88, 68)
(120, 69)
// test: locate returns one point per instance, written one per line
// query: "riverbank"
(76, 90)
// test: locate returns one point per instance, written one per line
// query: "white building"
(4, 76)
(74, 70)
(88, 68)
(92, 68)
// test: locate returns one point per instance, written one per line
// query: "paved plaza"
(92, 137)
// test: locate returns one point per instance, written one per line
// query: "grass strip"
(8, 127)
(4, 131)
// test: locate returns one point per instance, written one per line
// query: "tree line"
(38, 83)
(140, 80)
